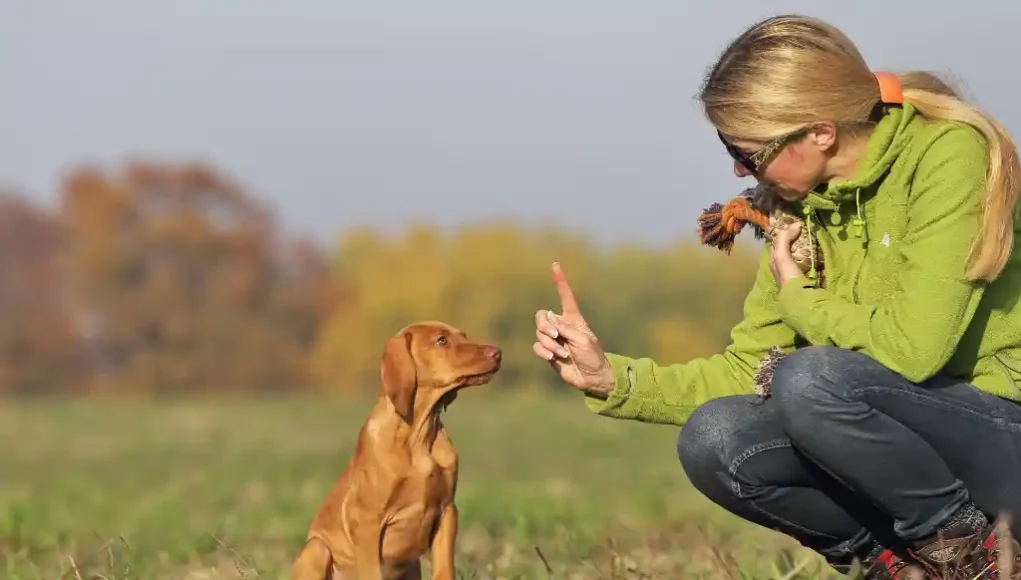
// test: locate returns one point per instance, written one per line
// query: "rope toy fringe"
(764, 373)
(720, 223)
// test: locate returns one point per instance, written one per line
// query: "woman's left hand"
(781, 262)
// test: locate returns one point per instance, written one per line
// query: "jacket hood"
(888, 140)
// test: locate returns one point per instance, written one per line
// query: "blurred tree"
(171, 278)
(37, 340)
(489, 279)
(186, 282)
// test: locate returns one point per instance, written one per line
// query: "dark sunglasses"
(738, 155)
(754, 161)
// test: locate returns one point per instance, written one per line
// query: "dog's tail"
(314, 562)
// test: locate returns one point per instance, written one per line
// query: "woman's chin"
(788, 194)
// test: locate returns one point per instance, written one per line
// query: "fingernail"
(552, 356)
(563, 354)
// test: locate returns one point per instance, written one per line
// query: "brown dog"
(395, 499)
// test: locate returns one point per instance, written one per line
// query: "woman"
(892, 430)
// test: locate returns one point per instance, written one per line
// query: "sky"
(573, 114)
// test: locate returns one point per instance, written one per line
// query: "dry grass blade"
(74, 567)
(724, 562)
(793, 572)
(545, 562)
(237, 559)
(1005, 541)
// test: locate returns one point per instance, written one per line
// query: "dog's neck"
(424, 430)
(425, 424)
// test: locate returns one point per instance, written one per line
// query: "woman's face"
(793, 165)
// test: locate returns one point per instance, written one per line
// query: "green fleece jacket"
(895, 289)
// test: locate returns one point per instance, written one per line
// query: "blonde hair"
(789, 71)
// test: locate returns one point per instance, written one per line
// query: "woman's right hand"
(570, 346)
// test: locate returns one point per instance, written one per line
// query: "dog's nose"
(492, 352)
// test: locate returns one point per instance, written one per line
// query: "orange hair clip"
(890, 90)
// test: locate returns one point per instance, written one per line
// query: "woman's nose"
(741, 170)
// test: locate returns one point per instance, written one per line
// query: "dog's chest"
(427, 490)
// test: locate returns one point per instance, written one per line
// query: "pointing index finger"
(568, 304)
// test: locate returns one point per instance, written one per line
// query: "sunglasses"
(755, 161)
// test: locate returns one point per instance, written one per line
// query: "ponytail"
(935, 99)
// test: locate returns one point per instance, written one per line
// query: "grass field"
(209, 490)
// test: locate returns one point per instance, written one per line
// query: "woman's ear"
(823, 135)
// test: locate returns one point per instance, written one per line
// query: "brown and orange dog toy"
(767, 214)
(759, 207)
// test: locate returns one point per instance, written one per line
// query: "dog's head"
(430, 361)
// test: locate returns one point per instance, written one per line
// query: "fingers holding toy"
(786, 236)
(781, 259)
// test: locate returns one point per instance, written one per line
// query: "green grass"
(226, 489)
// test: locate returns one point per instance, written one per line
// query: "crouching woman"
(889, 430)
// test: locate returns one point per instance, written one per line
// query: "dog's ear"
(398, 376)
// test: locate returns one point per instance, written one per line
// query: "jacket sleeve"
(916, 330)
(648, 392)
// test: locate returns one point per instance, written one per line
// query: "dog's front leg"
(368, 551)
(442, 548)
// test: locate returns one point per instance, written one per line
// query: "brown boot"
(969, 553)
(889, 565)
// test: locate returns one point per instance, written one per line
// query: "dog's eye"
(441, 341)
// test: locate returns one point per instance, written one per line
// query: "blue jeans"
(845, 453)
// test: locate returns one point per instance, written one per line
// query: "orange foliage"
(157, 278)
(37, 338)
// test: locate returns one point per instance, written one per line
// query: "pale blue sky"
(342, 112)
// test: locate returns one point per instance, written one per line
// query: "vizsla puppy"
(395, 499)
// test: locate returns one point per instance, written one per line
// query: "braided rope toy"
(766, 213)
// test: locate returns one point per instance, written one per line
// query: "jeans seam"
(735, 484)
(992, 421)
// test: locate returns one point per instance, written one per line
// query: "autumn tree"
(182, 282)
(38, 345)
(672, 303)
(173, 278)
